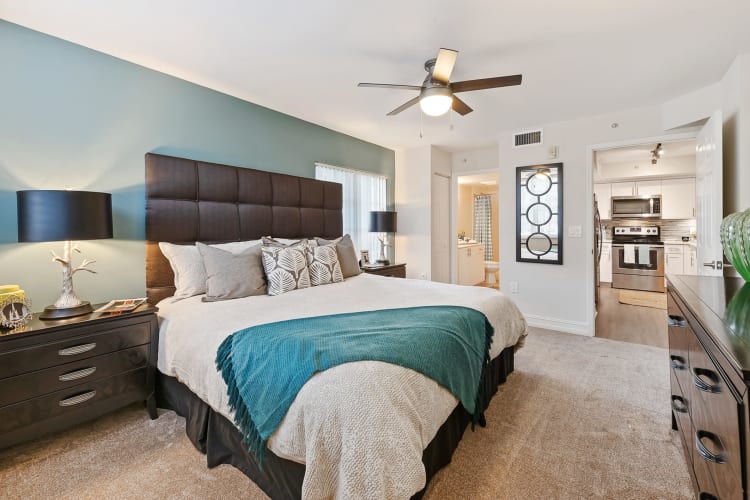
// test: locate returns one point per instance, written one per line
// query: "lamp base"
(52, 312)
(384, 262)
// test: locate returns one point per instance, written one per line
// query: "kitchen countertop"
(691, 243)
(464, 245)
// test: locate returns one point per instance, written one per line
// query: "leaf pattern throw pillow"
(286, 268)
(323, 263)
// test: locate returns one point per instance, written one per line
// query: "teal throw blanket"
(265, 366)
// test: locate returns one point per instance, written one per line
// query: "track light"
(656, 153)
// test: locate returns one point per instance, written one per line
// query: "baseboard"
(560, 325)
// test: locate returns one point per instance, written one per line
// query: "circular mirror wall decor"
(539, 217)
(539, 244)
(539, 183)
(539, 214)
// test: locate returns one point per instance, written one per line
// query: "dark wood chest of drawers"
(56, 374)
(709, 351)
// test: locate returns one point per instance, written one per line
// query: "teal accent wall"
(71, 117)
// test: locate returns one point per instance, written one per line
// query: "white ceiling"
(578, 57)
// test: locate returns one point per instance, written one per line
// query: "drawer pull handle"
(77, 374)
(704, 495)
(76, 400)
(699, 373)
(76, 349)
(678, 362)
(707, 455)
(676, 321)
(679, 405)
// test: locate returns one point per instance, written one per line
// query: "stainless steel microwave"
(636, 207)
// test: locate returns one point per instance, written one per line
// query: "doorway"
(645, 198)
(477, 247)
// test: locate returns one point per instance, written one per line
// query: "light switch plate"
(574, 231)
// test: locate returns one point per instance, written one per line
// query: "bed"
(359, 429)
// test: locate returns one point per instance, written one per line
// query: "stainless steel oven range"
(638, 258)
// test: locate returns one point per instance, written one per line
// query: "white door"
(441, 216)
(708, 196)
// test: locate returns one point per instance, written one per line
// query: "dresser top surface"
(722, 307)
(36, 325)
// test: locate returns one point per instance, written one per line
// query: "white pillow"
(187, 264)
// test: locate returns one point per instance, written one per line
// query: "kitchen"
(645, 198)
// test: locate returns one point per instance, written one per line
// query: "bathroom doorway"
(477, 230)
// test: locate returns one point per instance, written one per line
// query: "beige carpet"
(579, 418)
(640, 298)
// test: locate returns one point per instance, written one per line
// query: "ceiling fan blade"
(406, 105)
(486, 83)
(461, 107)
(446, 59)
(390, 86)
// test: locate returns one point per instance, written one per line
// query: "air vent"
(530, 138)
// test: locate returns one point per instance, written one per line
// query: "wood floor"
(636, 324)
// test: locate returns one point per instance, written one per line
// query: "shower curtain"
(483, 223)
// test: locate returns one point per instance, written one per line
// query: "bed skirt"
(221, 442)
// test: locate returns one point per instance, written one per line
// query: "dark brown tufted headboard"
(189, 201)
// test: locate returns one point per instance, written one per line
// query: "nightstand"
(392, 270)
(56, 374)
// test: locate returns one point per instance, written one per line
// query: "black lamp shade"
(382, 222)
(63, 215)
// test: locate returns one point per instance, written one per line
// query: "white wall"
(736, 115)
(732, 96)
(550, 295)
(666, 166)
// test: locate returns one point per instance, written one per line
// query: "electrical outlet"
(513, 286)
(422, 276)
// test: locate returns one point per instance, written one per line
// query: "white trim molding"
(560, 325)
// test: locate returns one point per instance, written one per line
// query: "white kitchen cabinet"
(690, 260)
(678, 198)
(638, 188)
(674, 259)
(623, 188)
(603, 194)
(471, 264)
(605, 264)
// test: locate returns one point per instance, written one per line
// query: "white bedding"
(361, 427)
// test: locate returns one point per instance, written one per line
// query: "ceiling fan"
(436, 94)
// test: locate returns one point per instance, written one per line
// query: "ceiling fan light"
(436, 101)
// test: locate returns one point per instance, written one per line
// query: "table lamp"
(48, 215)
(383, 222)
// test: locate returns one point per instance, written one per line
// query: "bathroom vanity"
(470, 263)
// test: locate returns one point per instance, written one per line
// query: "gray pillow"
(346, 253)
(286, 268)
(232, 276)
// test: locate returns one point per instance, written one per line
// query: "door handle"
(678, 362)
(713, 387)
(78, 349)
(707, 455)
(714, 264)
(679, 404)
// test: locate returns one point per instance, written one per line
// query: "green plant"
(735, 240)
(461, 235)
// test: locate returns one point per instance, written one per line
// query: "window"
(362, 193)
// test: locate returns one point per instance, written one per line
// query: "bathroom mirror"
(539, 213)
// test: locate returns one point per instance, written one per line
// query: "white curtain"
(363, 192)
